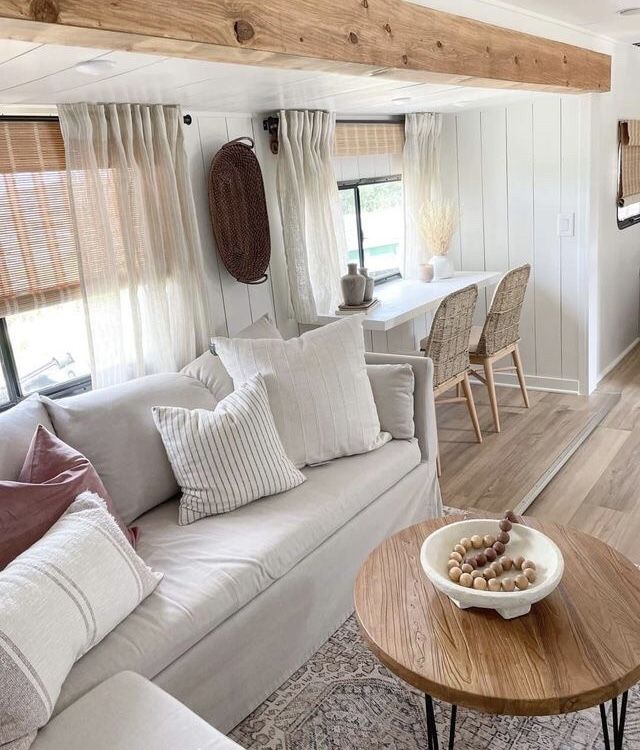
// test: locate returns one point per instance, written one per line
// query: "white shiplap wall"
(512, 170)
(233, 305)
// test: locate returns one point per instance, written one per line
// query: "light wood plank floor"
(497, 474)
(598, 490)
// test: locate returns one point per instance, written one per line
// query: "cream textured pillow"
(226, 458)
(59, 599)
(318, 389)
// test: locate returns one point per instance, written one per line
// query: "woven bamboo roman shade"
(630, 163)
(38, 258)
(369, 138)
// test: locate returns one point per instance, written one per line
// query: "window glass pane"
(49, 345)
(4, 394)
(382, 225)
(348, 205)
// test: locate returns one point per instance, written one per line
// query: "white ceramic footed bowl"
(530, 543)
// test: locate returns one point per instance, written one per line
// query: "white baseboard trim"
(538, 383)
(618, 359)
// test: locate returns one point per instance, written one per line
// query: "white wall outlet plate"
(566, 225)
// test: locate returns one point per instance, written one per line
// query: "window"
(628, 205)
(43, 340)
(374, 224)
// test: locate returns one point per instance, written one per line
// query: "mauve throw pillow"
(52, 477)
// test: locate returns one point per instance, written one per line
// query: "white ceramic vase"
(442, 267)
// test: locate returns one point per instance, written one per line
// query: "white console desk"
(402, 300)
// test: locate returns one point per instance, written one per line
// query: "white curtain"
(140, 259)
(421, 181)
(312, 224)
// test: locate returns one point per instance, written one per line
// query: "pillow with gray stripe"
(226, 458)
(60, 598)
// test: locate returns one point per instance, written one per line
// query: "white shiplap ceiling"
(598, 16)
(34, 74)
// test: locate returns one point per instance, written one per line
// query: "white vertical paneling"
(236, 295)
(215, 130)
(379, 341)
(234, 305)
(469, 139)
(547, 259)
(520, 209)
(449, 177)
(570, 197)
(401, 338)
(368, 341)
(494, 192)
(514, 169)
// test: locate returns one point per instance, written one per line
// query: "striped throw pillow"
(226, 458)
(59, 599)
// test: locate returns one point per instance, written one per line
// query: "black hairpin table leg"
(617, 722)
(432, 731)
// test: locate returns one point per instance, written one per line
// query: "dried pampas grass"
(438, 221)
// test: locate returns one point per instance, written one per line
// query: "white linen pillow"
(226, 458)
(392, 387)
(59, 599)
(318, 389)
(210, 371)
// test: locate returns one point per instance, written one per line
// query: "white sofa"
(247, 596)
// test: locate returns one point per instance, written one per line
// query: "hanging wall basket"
(239, 211)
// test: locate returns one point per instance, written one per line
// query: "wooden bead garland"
(470, 571)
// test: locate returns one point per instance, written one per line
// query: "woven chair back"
(239, 212)
(448, 340)
(502, 326)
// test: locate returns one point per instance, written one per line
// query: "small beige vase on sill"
(353, 286)
(425, 272)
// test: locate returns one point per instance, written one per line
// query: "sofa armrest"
(424, 411)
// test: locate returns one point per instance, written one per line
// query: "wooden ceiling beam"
(388, 38)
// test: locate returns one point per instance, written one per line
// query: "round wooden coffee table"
(578, 648)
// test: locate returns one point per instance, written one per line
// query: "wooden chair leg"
(468, 393)
(518, 364)
(438, 466)
(491, 387)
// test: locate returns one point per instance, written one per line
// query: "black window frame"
(355, 185)
(630, 221)
(7, 359)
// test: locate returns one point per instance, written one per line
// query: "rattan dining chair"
(500, 336)
(448, 346)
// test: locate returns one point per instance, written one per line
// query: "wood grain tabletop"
(577, 648)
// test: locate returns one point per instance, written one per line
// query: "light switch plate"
(566, 225)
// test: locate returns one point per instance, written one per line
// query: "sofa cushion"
(208, 368)
(127, 712)
(113, 427)
(214, 567)
(392, 387)
(17, 427)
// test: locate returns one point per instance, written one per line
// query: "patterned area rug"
(344, 699)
